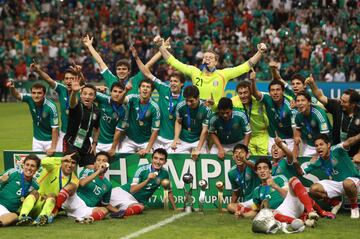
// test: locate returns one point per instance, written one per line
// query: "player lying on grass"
(57, 182)
(15, 186)
(289, 201)
(132, 196)
(94, 189)
(243, 178)
(343, 177)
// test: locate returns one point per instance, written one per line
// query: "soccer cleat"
(310, 223)
(24, 220)
(40, 220)
(50, 219)
(118, 214)
(355, 213)
(88, 220)
(79, 220)
(313, 215)
(328, 215)
(336, 208)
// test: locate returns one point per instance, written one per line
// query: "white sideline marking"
(156, 226)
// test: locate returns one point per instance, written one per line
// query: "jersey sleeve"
(207, 116)
(265, 99)
(233, 72)
(102, 98)
(136, 79)
(85, 173)
(108, 77)
(159, 85)
(25, 97)
(122, 123)
(185, 69)
(59, 87)
(289, 91)
(137, 177)
(256, 196)
(50, 162)
(234, 185)
(212, 126)
(297, 121)
(322, 121)
(179, 109)
(155, 122)
(54, 116)
(245, 123)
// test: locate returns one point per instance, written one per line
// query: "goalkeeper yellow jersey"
(214, 82)
(49, 178)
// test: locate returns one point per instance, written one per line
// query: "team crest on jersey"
(215, 83)
(247, 176)
(199, 115)
(157, 180)
(313, 123)
(236, 126)
(148, 113)
(18, 183)
(44, 114)
(323, 126)
(104, 187)
(157, 123)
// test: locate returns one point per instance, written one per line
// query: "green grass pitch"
(16, 133)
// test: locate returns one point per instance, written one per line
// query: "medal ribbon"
(142, 112)
(205, 66)
(118, 110)
(171, 105)
(248, 113)
(24, 189)
(281, 114)
(307, 122)
(242, 179)
(188, 117)
(39, 111)
(328, 170)
(267, 190)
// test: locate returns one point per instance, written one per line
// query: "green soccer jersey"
(95, 192)
(112, 116)
(314, 124)
(15, 188)
(167, 106)
(192, 120)
(244, 181)
(140, 176)
(282, 167)
(266, 192)
(44, 117)
(110, 79)
(281, 119)
(338, 167)
(64, 98)
(143, 119)
(232, 131)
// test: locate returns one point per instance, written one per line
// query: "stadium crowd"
(290, 120)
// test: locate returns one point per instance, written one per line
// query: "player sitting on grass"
(343, 177)
(57, 182)
(94, 189)
(15, 186)
(243, 179)
(132, 196)
(289, 203)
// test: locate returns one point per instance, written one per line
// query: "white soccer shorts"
(291, 206)
(227, 147)
(59, 146)
(163, 143)
(3, 210)
(40, 146)
(129, 146)
(185, 147)
(121, 199)
(103, 147)
(75, 207)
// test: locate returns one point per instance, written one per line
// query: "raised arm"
(87, 41)
(145, 70)
(256, 58)
(275, 72)
(13, 90)
(43, 74)
(285, 149)
(255, 92)
(351, 141)
(316, 91)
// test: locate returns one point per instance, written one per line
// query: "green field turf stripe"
(156, 226)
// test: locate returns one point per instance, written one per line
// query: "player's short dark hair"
(276, 82)
(225, 104)
(243, 84)
(70, 71)
(263, 160)
(106, 154)
(118, 84)
(298, 77)
(305, 94)
(76, 157)
(241, 146)
(160, 151)
(354, 96)
(35, 158)
(191, 91)
(179, 75)
(323, 137)
(91, 86)
(147, 81)
(123, 62)
(38, 86)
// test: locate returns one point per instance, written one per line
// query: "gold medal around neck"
(141, 123)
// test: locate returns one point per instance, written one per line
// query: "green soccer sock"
(48, 207)
(27, 205)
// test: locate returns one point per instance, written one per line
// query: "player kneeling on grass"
(15, 186)
(289, 203)
(343, 177)
(57, 182)
(94, 189)
(243, 179)
(132, 196)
